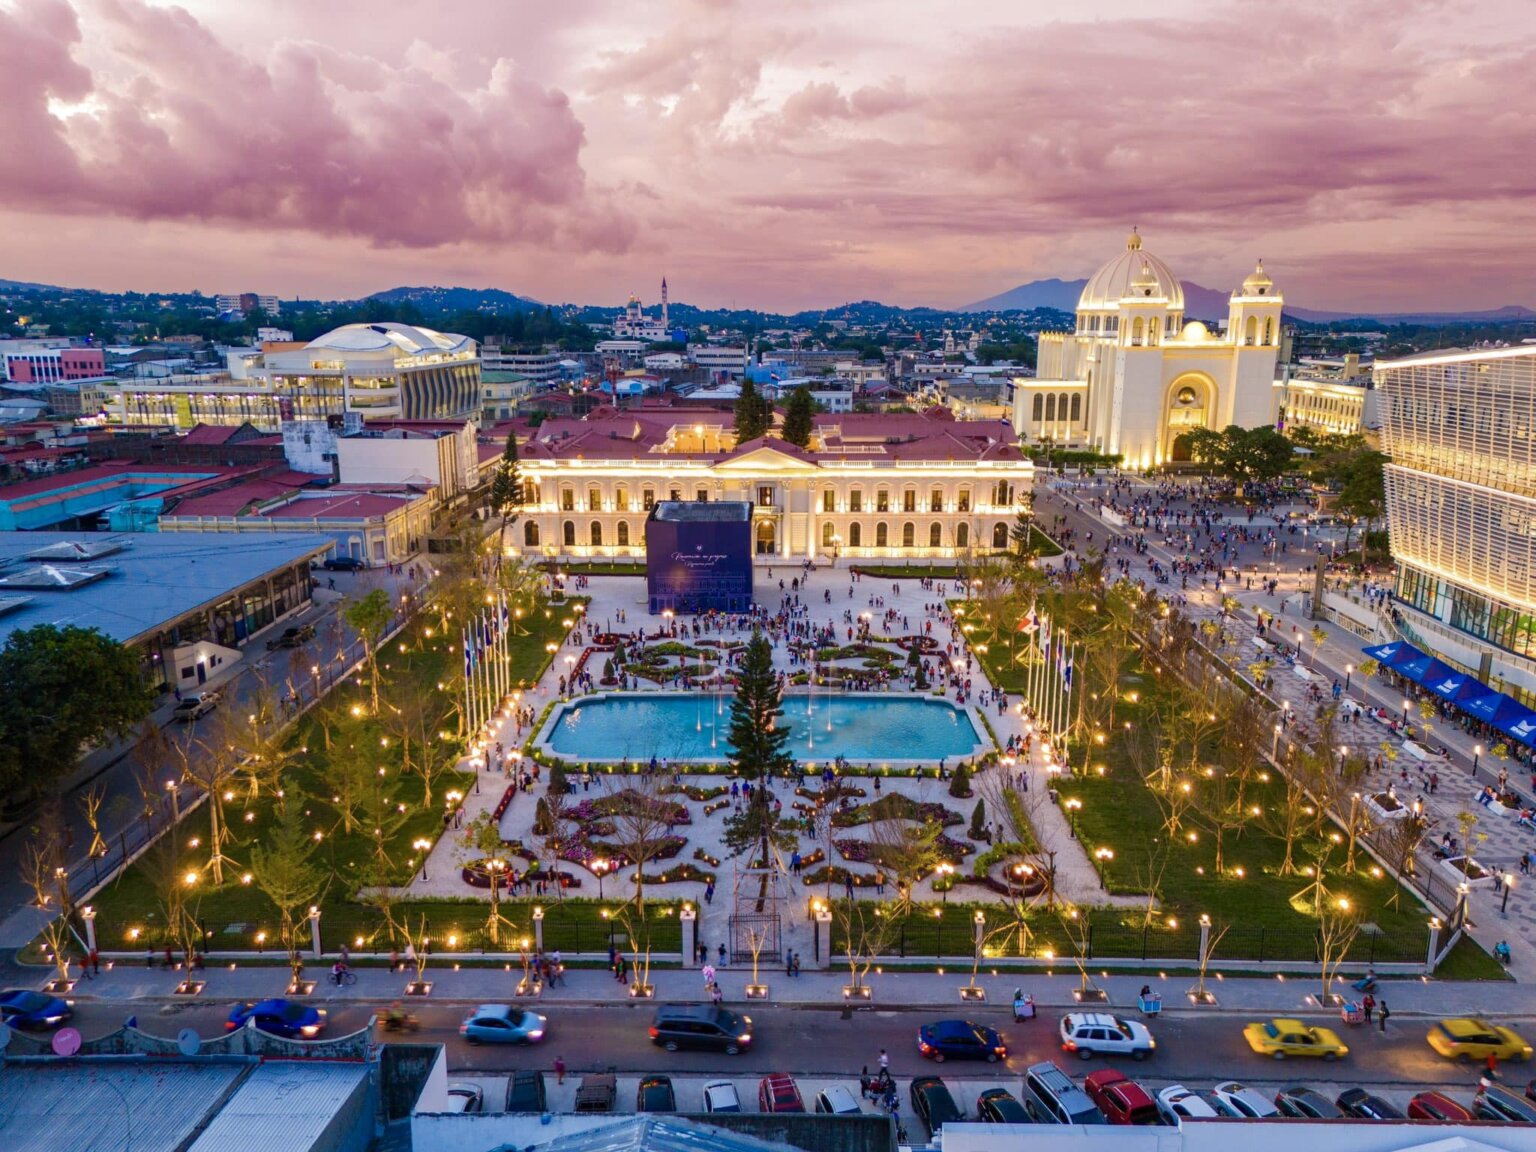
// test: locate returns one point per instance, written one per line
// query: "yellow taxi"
(1281, 1038)
(1467, 1038)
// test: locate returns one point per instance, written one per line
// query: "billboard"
(698, 556)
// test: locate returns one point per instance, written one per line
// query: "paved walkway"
(1504, 842)
(128, 982)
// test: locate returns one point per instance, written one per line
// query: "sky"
(782, 154)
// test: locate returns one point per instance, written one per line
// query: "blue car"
(503, 1024)
(286, 1018)
(21, 1008)
(960, 1039)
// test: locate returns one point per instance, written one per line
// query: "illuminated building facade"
(1133, 377)
(1461, 507)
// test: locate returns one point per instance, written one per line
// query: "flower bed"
(895, 806)
(833, 792)
(680, 874)
(705, 857)
(664, 849)
(837, 875)
(695, 792)
(506, 800)
(711, 809)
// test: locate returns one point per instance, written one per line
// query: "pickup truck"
(292, 637)
(193, 705)
(597, 1092)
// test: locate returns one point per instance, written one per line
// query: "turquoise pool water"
(867, 727)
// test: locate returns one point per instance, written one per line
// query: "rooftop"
(407, 339)
(154, 580)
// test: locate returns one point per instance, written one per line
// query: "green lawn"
(128, 910)
(599, 567)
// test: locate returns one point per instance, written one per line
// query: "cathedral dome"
(1134, 273)
(1258, 282)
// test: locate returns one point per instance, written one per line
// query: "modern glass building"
(1461, 507)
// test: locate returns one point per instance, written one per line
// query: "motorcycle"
(402, 1022)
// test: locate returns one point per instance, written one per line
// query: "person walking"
(885, 1062)
(1385, 1012)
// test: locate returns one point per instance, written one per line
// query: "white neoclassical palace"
(916, 486)
(1133, 376)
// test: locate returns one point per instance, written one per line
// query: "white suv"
(1177, 1102)
(1088, 1032)
(1242, 1101)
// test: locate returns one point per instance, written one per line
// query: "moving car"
(933, 1104)
(778, 1092)
(343, 564)
(1305, 1104)
(286, 1018)
(1177, 1102)
(1234, 1099)
(1088, 1032)
(1438, 1106)
(193, 705)
(525, 1091)
(503, 1024)
(701, 1026)
(721, 1097)
(961, 1040)
(464, 1097)
(1468, 1038)
(292, 637)
(1284, 1037)
(1363, 1105)
(837, 1101)
(22, 1008)
(998, 1106)
(655, 1095)
(1121, 1100)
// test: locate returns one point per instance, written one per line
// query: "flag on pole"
(469, 653)
(1066, 674)
(1029, 622)
(1045, 638)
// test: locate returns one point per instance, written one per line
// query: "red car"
(777, 1092)
(1122, 1101)
(1437, 1106)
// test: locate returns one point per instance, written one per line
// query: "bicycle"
(347, 977)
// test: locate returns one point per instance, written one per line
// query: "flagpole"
(469, 713)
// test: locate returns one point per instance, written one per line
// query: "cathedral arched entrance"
(765, 538)
(1190, 403)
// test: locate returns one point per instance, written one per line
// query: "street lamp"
(423, 845)
(1349, 670)
(946, 870)
(1072, 807)
(1477, 752)
(1509, 882)
(1405, 710)
(837, 543)
(600, 866)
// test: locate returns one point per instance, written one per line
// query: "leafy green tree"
(506, 494)
(798, 412)
(960, 782)
(369, 617)
(758, 738)
(284, 869)
(63, 689)
(1363, 490)
(1243, 455)
(753, 413)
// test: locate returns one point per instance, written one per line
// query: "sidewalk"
(128, 982)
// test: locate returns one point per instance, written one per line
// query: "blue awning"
(1521, 726)
(1422, 668)
(1456, 687)
(1395, 653)
(1489, 707)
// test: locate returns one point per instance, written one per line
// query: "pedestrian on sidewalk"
(1385, 1012)
(722, 955)
(559, 1070)
(1369, 1006)
(885, 1062)
(709, 892)
(94, 960)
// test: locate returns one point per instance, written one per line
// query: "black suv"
(933, 1104)
(1363, 1105)
(1305, 1104)
(701, 1026)
(525, 1092)
(344, 564)
(655, 1095)
(292, 637)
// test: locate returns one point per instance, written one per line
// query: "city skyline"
(780, 159)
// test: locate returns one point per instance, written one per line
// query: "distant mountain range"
(27, 286)
(1202, 303)
(435, 299)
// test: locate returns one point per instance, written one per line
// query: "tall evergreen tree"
(506, 493)
(798, 410)
(758, 737)
(753, 413)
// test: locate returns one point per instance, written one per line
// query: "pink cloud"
(188, 128)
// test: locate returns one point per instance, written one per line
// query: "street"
(1194, 1048)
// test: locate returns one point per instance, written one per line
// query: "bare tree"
(1291, 819)
(868, 929)
(483, 846)
(262, 744)
(1213, 938)
(211, 762)
(90, 809)
(1338, 924)
(45, 869)
(643, 816)
(1398, 841)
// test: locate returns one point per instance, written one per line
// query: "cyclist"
(339, 972)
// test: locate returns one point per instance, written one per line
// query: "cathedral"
(1133, 377)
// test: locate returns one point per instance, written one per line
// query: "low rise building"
(912, 486)
(532, 365)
